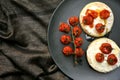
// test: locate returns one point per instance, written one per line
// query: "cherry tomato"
(92, 13)
(104, 14)
(99, 57)
(64, 27)
(87, 20)
(77, 31)
(73, 20)
(91, 25)
(79, 52)
(112, 59)
(106, 48)
(78, 41)
(65, 39)
(100, 27)
(67, 50)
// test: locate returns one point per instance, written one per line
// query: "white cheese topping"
(97, 6)
(93, 49)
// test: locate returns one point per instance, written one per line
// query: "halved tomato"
(92, 13)
(100, 27)
(106, 48)
(104, 14)
(87, 20)
(112, 59)
(99, 57)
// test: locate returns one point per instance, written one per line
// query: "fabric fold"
(6, 29)
(24, 53)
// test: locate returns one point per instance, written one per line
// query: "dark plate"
(81, 71)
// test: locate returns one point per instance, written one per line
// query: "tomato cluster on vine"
(71, 27)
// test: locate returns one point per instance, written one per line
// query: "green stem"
(73, 38)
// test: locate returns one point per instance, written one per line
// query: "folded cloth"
(23, 45)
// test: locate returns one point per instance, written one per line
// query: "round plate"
(82, 71)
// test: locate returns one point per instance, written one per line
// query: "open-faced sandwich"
(103, 55)
(96, 19)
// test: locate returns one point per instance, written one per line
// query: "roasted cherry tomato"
(64, 27)
(73, 20)
(67, 50)
(87, 20)
(106, 48)
(92, 13)
(112, 59)
(78, 41)
(77, 31)
(91, 25)
(65, 39)
(79, 52)
(99, 57)
(100, 27)
(104, 14)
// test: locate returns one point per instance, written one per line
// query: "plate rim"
(50, 52)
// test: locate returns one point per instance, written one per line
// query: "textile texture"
(24, 53)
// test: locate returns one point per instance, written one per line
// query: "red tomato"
(77, 31)
(99, 57)
(79, 52)
(64, 27)
(65, 39)
(87, 20)
(106, 48)
(100, 27)
(78, 41)
(112, 59)
(92, 13)
(73, 20)
(104, 14)
(67, 50)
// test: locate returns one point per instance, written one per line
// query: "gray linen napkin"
(23, 45)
